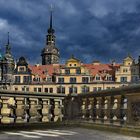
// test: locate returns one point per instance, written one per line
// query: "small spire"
(72, 56)
(8, 39)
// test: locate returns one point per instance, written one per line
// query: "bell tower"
(50, 54)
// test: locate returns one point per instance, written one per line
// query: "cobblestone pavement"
(63, 134)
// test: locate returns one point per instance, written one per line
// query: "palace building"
(72, 77)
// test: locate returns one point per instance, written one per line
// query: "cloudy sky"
(90, 29)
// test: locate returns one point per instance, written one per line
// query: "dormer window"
(21, 69)
(109, 78)
(98, 78)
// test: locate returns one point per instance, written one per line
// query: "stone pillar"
(46, 114)
(58, 110)
(33, 110)
(19, 110)
(6, 111)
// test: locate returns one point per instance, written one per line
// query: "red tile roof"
(43, 70)
(100, 69)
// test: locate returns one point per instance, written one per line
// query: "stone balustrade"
(30, 107)
(116, 107)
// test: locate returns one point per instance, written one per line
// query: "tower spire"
(51, 30)
(51, 11)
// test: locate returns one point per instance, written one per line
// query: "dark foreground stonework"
(63, 133)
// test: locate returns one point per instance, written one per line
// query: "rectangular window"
(27, 89)
(72, 90)
(61, 90)
(60, 80)
(26, 79)
(39, 89)
(23, 89)
(78, 71)
(85, 79)
(35, 89)
(16, 89)
(17, 79)
(109, 78)
(85, 89)
(99, 88)
(125, 70)
(49, 79)
(51, 90)
(67, 71)
(21, 69)
(73, 80)
(123, 79)
(46, 90)
(97, 78)
(94, 89)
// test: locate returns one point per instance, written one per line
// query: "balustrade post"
(33, 110)
(58, 110)
(83, 108)
(6, 111)
(90, 108)
(123, 110)
(39, 110)
(98, 110)
(102, 109)
(94, 109)
(19, 110)
(111, 109)
(46, 113)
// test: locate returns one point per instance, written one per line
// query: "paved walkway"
(63, 134)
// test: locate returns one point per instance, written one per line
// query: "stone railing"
(21, 107)
(116, 107)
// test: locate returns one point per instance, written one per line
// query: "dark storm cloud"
(99, 29)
